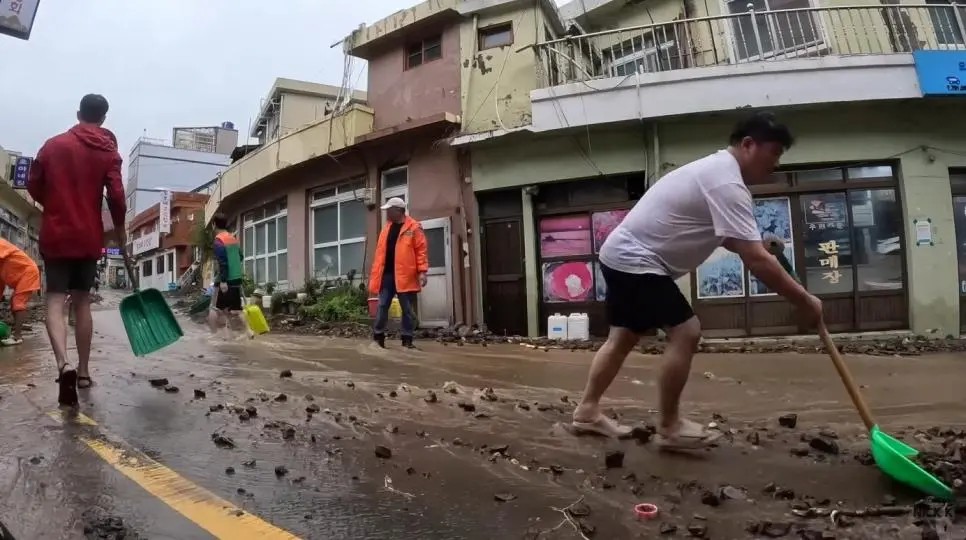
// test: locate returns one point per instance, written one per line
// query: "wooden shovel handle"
(129, 268)
(846, 376)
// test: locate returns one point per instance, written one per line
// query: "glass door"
(435, 304)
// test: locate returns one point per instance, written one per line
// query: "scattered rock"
(229, 470)
(466, 406)
(350, 384)
(216, 407)
(614, 459)
(288, 433)
(698, 530)
(769, 529)
(499, 448)
(580, 510)
(281, 470)
(383, 452)
(392, 429)
(200, 394)
(731, 492)
(754, 438)
(244, 416)
(668, 529)
(251, 411)
(309, 397)
(171, 389)
(824, 445)
(451, 387)
(799, 451)
(285, 374)
(504, 497)
(281, 398)
(313, 408)
(431, 397)
(392, 393)
(711, 499)
(788, 420)
(222, 441)
(488, 395)
(158, 383)
(865, 458)
(250, 464)
(523, 406)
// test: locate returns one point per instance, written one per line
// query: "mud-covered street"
(325, 438)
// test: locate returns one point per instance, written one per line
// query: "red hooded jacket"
(68, 178)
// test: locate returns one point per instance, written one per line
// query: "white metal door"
(435, 304)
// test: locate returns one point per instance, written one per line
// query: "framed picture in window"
(721, 276)
(774, 216)
(570, 281)
(604, 223)
(564, 236)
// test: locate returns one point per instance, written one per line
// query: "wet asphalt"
(444, 476)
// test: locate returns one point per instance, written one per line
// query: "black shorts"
(70, 275)
(230, 300)
(643, 302)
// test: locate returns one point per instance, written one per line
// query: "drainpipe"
(657, 155)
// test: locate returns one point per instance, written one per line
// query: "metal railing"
(751, 36)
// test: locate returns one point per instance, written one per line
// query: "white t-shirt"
(683, 218)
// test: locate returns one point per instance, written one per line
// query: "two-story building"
(871, 200)
(162, 258)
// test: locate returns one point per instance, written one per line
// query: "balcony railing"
(752, 36)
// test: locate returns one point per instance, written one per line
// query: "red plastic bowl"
(645, 511)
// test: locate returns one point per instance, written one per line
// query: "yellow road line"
(202, 507)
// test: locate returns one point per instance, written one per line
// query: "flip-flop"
(689, 436)
(11, 341)
(67, 394)
(87, 380)
(602, 426)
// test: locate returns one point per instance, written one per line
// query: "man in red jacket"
(68, 178)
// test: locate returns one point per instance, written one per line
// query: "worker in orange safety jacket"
(398, 270)
(19, 272)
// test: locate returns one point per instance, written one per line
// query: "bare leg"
(83, 330)
(244, 320)
(682, 344)
(214, 320)
(57, 327)
(607, 362)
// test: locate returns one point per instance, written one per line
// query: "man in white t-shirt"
(675, 226)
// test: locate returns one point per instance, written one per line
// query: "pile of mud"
(947, 462)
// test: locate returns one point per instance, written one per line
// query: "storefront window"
(338, 232)
(265, 243)
(828, 247)
(876, 219)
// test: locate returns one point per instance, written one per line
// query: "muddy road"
(305, 437)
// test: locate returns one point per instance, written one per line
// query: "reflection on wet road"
(228, 448)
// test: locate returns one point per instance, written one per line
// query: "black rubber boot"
(380, 339)
(407, 342)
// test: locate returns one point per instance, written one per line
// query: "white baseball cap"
(395, 202)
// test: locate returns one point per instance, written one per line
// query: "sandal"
(87, 380)
(67, 394)
(11, 341)
(602, 426)
(690, 435)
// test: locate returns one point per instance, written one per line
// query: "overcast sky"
(169, 63)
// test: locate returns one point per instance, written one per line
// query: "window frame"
(409, 53)
(493, 30)
(248, 221)
(943, 33)
(821, 42)
(351, 191)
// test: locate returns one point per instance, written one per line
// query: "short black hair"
(220, 221)
(93, 108)
(762, 127)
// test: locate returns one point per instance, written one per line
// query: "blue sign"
(941, 73)
(21, 171)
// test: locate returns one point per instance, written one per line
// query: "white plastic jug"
(557, 326)
(578, 326)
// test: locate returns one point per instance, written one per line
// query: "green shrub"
(339, 304)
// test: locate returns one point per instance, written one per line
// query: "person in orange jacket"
(20, 272)
(398, 270)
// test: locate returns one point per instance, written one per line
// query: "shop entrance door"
(435, 305)
(958, 181)
(505, 286)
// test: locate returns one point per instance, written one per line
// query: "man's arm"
(768, 270)
(36, 181)
(116, 201)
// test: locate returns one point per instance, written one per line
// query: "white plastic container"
(578, 327)
(267, 301)
(557, 326)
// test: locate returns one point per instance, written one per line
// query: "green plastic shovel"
(148, 320)
(891, 455)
